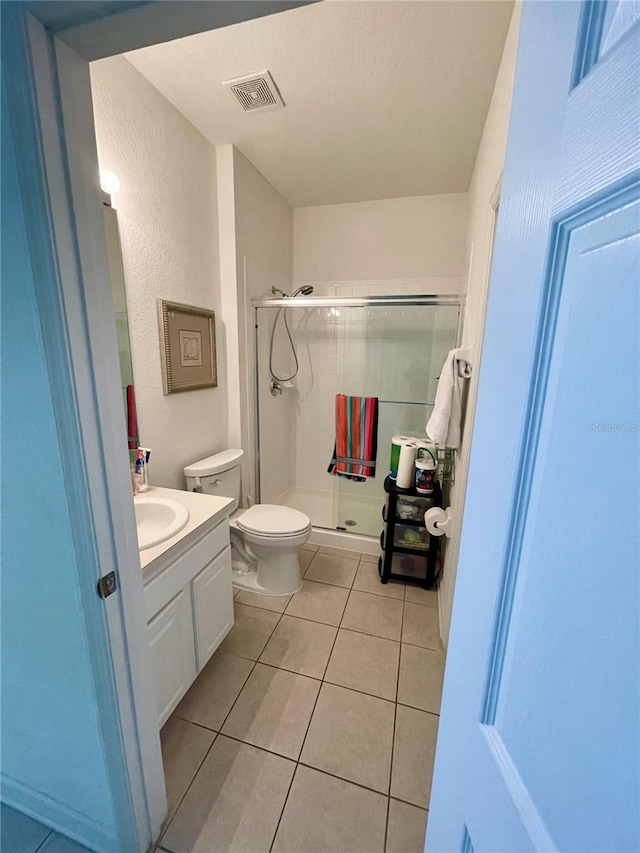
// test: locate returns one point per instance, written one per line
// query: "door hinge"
(107, 585)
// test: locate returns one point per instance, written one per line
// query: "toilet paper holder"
(439, 521)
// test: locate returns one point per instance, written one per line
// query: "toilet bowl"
(264, 538)
(267, 538)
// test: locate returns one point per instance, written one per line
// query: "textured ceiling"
(383, 98)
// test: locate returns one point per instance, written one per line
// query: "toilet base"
(272, 560)
(272, 570)
(249, 582)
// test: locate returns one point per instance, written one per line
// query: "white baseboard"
(56, 815)
(347, 541)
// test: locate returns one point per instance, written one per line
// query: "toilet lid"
(273, 520)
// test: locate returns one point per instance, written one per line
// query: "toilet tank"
(217, 475)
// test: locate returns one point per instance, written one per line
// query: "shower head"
(305, 290)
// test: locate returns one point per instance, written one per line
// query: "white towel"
(443, 427)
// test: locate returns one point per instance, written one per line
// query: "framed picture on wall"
(188, 347)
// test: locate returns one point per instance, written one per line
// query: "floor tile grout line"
(325, 583)
(322, 681)
(420, 603)
(339, 626)
(354, 559)
(395, 717)
(244, 683)
(415, 708)
(349, 781)
(284, 805)
(426, 648)
(297, 761)
(290, 671)
(355, 630)
(367, 634)
(323, 677)
(361, 692)
(186, 791)
(386, 823)
(255, 663)
(237, 739)
(297, 764)
(407, 803)
(192, 723)
(354, 588)
(306, 619)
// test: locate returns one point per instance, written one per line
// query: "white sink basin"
(158, 519)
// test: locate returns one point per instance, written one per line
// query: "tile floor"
(22, 834)
(313, 727)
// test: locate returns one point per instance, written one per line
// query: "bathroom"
(200, 224)
(213, 208)
(153, 697)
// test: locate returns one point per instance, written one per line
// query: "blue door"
(539, 743)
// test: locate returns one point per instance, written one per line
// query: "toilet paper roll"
(405, 466)
(433, 516)
(396, 443)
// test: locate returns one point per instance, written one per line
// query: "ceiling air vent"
(256, 92)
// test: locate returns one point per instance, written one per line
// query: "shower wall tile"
(277, 419)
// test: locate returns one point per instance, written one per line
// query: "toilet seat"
(273, 521)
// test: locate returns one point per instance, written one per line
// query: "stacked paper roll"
(405, 464)
(396, 444)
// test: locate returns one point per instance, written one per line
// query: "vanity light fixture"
(109, 181)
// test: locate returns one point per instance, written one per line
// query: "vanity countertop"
(203, 509)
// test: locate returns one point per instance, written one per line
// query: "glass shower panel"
(393, 352)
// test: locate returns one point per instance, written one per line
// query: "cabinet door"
(172, 652)
(213, 606)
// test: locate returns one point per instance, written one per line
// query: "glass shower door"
(390, 351)
(394, 353)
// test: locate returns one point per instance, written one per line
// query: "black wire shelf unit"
(409, 551)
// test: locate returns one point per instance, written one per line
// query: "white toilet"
(264, 538)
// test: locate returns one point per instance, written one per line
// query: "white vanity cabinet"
(172, 652)
(212, 607)
(189, 601)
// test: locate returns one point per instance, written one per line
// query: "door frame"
(50, 104)
(474, 337)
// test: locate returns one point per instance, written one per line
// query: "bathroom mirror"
(116, 271)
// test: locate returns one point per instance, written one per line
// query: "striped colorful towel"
(356, 445)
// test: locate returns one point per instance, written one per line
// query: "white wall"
(259, 223)
(420, 237)
(482, 196)
(264, 228)
(167, 215)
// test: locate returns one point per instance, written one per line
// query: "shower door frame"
(443, 299)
